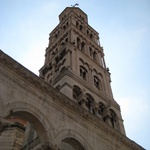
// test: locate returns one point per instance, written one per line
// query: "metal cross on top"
(75, 5)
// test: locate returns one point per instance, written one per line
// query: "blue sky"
(124, 30)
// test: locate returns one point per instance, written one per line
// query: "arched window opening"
(97, 82)
(91, 35)
(66, 40)
(62, 54)
(113, 118)
(83, 73)
(90, 102)
(82, 46)
(90, 51)
(87, 32)
(102, 107)
(70, 144)
(64, 27)
(81, 27)
(78, 42)
(77, 23)
(77, 92)
(94, 56)
(53, 52)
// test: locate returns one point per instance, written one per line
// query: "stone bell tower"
(75, 65)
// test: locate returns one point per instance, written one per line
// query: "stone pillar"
(68, 58)
(53, 69)
(96, 110)
(90, 77)
(82, 101)
(99, 58)
(106, 116)
(11, 137)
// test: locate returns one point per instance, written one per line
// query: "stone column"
(99, 58)
(96, 110)
(53, 70)
(103, 60)
(83, 101)
(90, 78)
(106, 116)
(11, 136)
(68, 58)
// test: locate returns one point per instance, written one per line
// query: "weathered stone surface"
(52, 114)
(11, 138)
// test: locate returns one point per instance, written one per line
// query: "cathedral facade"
(70, 105)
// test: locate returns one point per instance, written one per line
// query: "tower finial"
(75, 5)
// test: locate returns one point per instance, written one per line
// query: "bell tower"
(75, 65)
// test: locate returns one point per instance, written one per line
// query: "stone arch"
(97, 82)
(74, 136)
(83, 73)
(70, 144)
(61, 65)
(84, 63)
(34, 116)
(62, 69)
(97, 73)
(99, 76)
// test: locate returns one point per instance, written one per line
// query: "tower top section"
(75, 65)
(76, 11)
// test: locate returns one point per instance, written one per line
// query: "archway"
(70, 139)
(33, 132)
(33, 118)
(70, 144)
